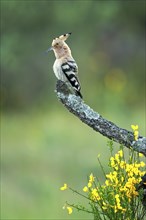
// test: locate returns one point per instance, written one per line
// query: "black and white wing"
(70, 69)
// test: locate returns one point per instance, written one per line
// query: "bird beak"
(49, 49)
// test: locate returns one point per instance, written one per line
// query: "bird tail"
(79, 94)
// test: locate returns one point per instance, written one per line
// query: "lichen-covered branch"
(93, 119)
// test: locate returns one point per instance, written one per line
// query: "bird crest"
(63, 37)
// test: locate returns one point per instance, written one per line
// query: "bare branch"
(93, 119)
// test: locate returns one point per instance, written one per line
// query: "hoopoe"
(65, 67)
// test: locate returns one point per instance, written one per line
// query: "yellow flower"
(120, 153)
(89, 185)
(142, 164)
(118, 204)
(94, 195)
(117, 157)
(91, 178)
(128, 168)
(112, 161)
(85, 189)
(122, 164)
(105, 206)
(140, 155)
(112, 176)
(136, 135)
(122, 178)
(107, 183)
(134, 127)
(69, 209)
(117, 198)
(64, 187)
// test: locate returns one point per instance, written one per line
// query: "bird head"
(59, 46)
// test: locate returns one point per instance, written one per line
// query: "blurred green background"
(42, 144)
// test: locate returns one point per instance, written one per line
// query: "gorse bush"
(118, 196)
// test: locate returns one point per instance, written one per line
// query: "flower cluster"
(125, 176)
(116, 197)
(120, 185)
